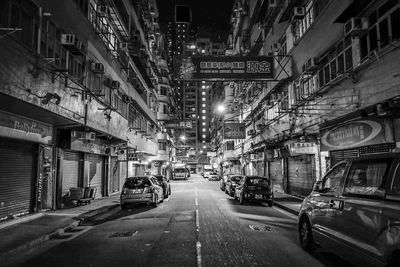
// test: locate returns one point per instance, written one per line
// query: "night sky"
(211, 14)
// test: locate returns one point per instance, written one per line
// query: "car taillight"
(125, 191)
(148, 190)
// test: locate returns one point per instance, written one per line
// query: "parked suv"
(355, 209)
(141, 189)
(254, 188)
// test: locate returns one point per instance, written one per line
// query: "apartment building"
(335, 92)
(78, 98)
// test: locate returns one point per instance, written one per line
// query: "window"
(395, 187)
(203, 111)
(204, 136)
(162, 146)
(203, 93)
(204, 129)
(204, 124)
(203, 117)
(203, 99)
(333, 179)
(367, 178)
(203, 105)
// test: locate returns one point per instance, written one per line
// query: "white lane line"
(291, 215)
(197, 220)
(195, 191)
(198, 250)
(196, 201)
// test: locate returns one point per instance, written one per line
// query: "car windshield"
(257, 181)
(235, 178)
(137, 182)
(180, 170)
(159, 178)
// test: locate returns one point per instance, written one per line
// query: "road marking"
(195, 191)
(196, 203)
(197, 220)
(198, 250)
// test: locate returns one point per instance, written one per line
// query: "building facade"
(78, 96)
(335, 92)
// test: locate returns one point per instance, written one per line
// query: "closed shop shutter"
(17, 177)
(114, 175)
(275, 172)
(71, 171)
(95, 172)
(301, 174)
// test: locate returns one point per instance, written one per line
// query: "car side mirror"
(318, 186)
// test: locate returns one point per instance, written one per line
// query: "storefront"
(301, 167)
(357, 138)
(26, 154)
(275, 167)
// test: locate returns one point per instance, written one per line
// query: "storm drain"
(261, 228)
(123, 234)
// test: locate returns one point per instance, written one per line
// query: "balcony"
(163, 116)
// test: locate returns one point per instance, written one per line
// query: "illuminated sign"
(227, 67)
(354, 134)
(234, 131)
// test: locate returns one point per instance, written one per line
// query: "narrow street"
(199, 225)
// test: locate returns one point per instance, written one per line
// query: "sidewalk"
(23, 233)
(287, 202)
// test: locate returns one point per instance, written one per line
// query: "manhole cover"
(123, 234)
(262, 228)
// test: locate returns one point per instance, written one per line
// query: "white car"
(206, 174)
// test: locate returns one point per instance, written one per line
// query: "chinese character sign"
(234, 131)
(232, 67)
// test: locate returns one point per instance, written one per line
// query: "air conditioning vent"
(355, 26)
(91, 136)
(103, 11)
(273, 3)
(310, 66)
(115, 84)
(298, 12)
(97, 67)
(72, 43)
(251, 132)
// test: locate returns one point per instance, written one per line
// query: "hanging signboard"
(355, 134)
(301, 148)
(227, 68)
(234, 130)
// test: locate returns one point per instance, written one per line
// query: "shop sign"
(354, 134)
(234, 131)
(227, 68)
(211, 154)
(302, 148)
(89, 146)
(179, 124)
(15, 126)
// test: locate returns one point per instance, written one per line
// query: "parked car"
(213, 176)
(255, 189)
(164, 184)
(222, 182)
(207, 174)
(231, 183)
(181, 173)
(356, 209)
(141, 189)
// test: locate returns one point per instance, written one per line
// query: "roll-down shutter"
(95, 172)
(17, 177)
(71, 171)
(301, 174)
(114, 177)
(275, 172)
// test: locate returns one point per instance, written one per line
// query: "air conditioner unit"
(275, 46)
(310, 65)
(115, 84)
(124, 46)
(72, 43)
(97, 67)
(251, 132)
(298, 12)
(355, 26)
(103, 11)
(260, 126)
(91, 136)
(78, 134)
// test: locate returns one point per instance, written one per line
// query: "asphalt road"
(199, 225)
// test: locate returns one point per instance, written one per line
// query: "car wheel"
(305, 235)
(241, 199)
(155, 201)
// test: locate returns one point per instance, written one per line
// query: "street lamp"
(182, 137)
(221, 108)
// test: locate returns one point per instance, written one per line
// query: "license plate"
(136, 191)
(258, 196)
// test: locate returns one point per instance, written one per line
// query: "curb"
(286, 208)
(44, 238)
